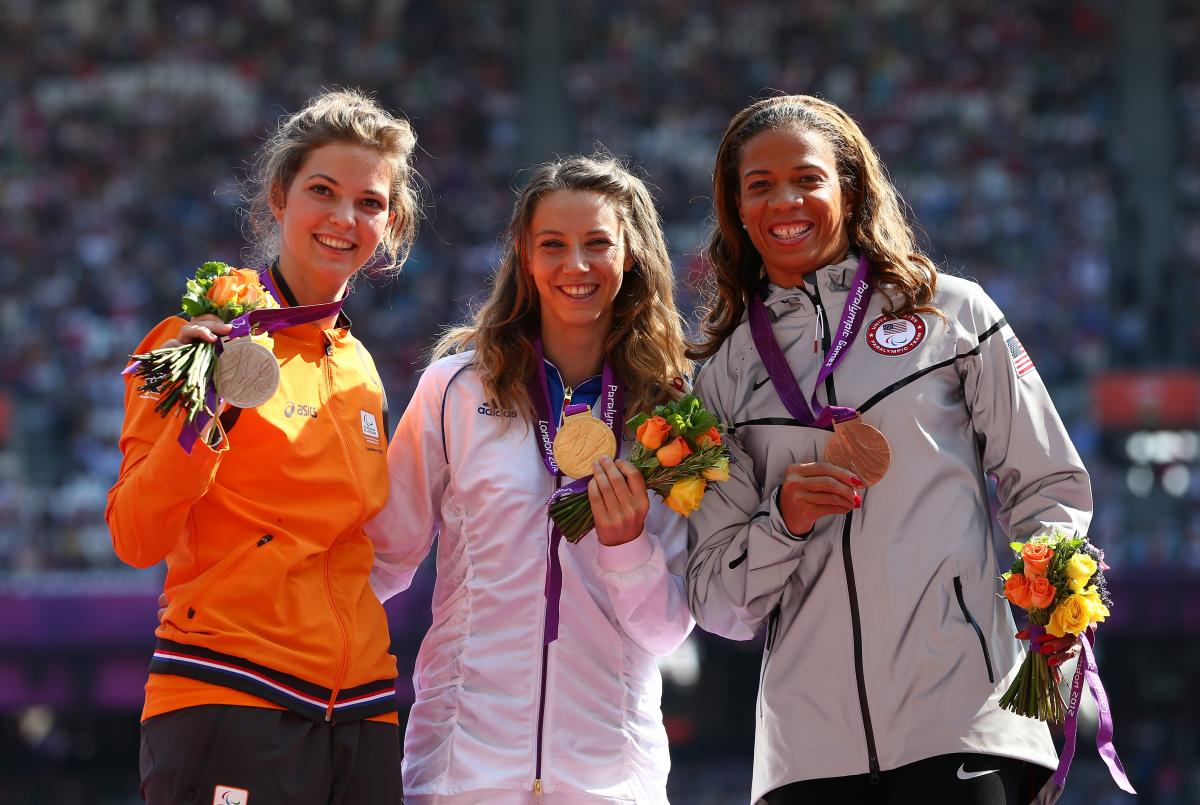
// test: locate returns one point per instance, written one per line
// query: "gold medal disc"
(859, 448)
(247, 373)
(580, 441)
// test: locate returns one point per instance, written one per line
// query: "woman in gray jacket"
(888, 643)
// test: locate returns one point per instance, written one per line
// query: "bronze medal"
(247, 373)
(580, 442)
(859, 448)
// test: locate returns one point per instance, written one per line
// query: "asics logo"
(294, 409)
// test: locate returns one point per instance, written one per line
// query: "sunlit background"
(1050, 150)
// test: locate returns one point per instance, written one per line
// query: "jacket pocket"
(769, 643)
(203, 592)
(962, 604)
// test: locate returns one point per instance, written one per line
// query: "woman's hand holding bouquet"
(678, 452)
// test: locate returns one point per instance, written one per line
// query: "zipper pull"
(820, 329)
(567, 393)
(537, 790)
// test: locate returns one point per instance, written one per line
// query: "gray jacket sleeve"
(740, 552)
(1041, 481)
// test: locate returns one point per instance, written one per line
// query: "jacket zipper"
(852, 590)
(962, 604)
(568, 392)
(337, 616)
(258, 543)
(537, 766)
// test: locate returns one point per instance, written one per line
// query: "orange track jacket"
(267, 563)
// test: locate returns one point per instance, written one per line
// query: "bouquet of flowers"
(1058, 578)
(183, 375)
(678, 451)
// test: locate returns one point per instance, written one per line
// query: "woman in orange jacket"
(271, 675)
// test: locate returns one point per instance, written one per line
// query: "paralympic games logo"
(889, 335)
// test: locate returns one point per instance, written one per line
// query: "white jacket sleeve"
(1041, 480)
(644, 578)
(742, 553)
(418, 472)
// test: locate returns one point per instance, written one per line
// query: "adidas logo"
(488, 410)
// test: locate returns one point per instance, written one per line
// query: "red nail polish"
(857, 501)
(855, 481)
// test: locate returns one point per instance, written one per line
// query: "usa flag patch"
(1020, 358)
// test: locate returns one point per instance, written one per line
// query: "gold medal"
(247, 373)
(580, 441)
(859, 448)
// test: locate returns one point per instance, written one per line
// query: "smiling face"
(791, 202)
(331, 219)
(578, 259)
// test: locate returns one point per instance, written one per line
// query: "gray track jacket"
(887, 639)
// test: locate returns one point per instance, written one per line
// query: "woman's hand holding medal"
(815, 490)
(619, 501)
(208, 327)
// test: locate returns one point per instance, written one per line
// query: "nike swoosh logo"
(963, 774)
(761, 383)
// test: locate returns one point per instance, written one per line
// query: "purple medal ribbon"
(263, 320)
(611, 403)
(780, 373)
(1089, 671)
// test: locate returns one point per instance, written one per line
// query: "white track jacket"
(498, 716)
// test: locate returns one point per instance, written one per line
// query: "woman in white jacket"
(538, 679)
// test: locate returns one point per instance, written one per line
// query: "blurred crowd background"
(1049, 149)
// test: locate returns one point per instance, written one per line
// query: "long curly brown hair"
(877, 227)
(645, 346)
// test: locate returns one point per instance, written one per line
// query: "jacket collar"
(835, 278)
(285, 290)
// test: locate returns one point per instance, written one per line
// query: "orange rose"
(675, 451)
(1041, 592)
(239, 285)
(1037, 558)
(652, 432)
(1016, 589)
(710, 437)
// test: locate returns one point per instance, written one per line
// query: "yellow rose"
(686, 494)
(1080, 569)
(1099, 611)
(1071, 616)
(718, 473)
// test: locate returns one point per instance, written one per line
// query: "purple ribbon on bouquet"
(611, 404)
(263, 320)
(1088, 671)
(780, 372)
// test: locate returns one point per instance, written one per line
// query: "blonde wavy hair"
(338, 116)
(877, 228)
(645, 345)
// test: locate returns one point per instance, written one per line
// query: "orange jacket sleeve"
(150, 507)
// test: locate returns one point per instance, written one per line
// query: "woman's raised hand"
(619, 501)
(815, 490)
(202, 328)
